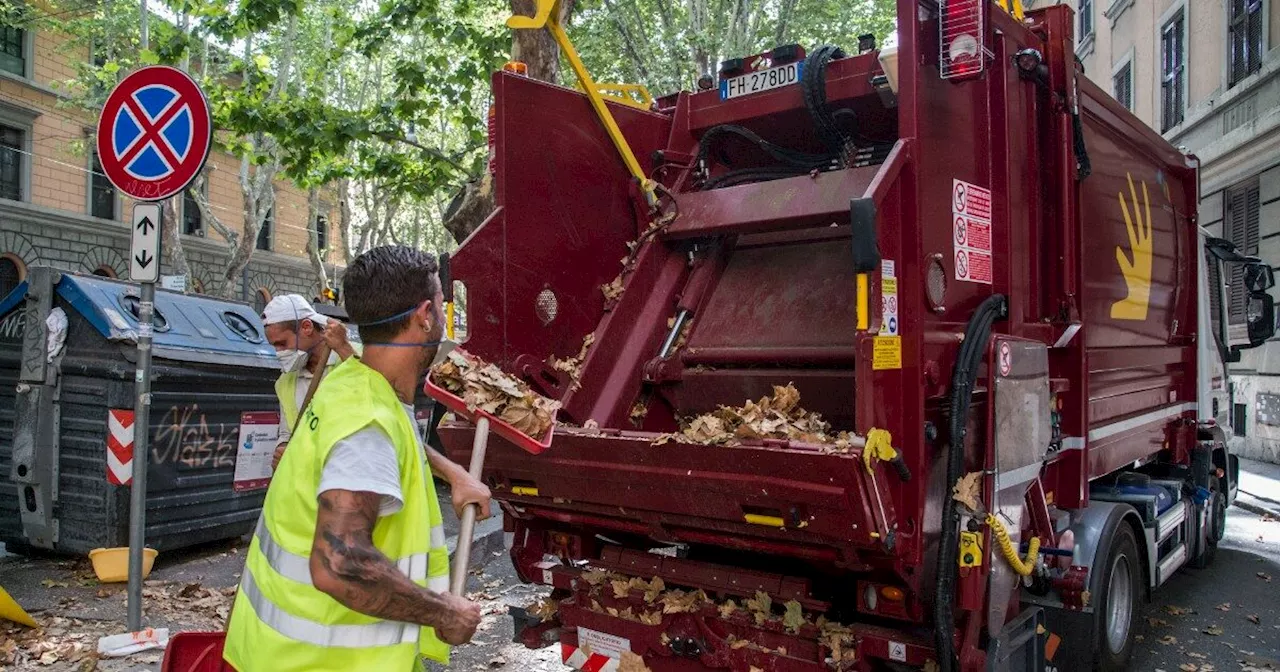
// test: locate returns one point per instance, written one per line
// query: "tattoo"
(346, 565)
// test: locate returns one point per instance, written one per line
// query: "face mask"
(292, 360)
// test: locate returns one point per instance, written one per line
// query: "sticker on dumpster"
(119, 447)
(971, 232)
(886, 353)
(259, 431)
(603, 643)
(888, 299)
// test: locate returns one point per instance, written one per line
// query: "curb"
(487, 540)
(1254, 508)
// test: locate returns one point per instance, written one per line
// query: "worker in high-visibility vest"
(296, 331)
(348, 569)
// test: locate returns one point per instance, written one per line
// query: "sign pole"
(144, 267)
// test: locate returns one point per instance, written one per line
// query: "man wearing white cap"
(296, 331)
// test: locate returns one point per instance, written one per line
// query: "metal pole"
(141, 425)
(462, 556)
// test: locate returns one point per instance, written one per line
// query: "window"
(1122, 85)
(1172, 67)
(1086, 18)
(1245, 44)
(102, 195)
(261, 298)
(12, 273)
(11, 160)
(1239, 419)
(13, 50)
(1240, 221)
(104, 272)
(192, 218)
(322, 232)
(264, 233)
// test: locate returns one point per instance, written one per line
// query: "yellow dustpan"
(9, 609)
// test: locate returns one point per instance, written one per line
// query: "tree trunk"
(313, 240)
(170, 232)
(344, 218)
(538, 50)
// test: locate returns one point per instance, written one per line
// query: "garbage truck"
(986, 276)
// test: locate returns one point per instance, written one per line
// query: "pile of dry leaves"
(778, 416)
(659, 601)
(573, 365)
(485, 387)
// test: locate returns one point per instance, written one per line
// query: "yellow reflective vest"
(280, 621)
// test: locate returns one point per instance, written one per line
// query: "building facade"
(1206, 74)
(58, 209)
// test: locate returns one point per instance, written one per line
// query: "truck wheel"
(1120, 586)
(1216, 529)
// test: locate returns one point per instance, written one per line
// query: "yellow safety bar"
(1020, 567)
(448, 320)
(631, 95)
(547, 17)
(1013, 7)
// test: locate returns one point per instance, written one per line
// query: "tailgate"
(776, 497)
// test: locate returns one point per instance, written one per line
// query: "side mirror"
(1259, 277)
(1260, 315)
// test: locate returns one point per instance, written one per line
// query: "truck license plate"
(762, 80)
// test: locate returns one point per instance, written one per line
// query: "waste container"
(67, 363)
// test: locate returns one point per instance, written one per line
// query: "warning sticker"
(888, 300)
(886, 353)
(602, 643)
(971, 231)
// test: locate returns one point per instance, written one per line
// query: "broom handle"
(462, 557)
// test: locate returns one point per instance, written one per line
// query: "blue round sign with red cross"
(154, 133)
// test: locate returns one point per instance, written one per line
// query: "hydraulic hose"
(963, 378)
(1020, 566)
(813, 86)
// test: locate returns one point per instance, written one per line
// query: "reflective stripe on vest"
(298, 568)
(382, 633)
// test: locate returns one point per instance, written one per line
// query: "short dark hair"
(387, 281)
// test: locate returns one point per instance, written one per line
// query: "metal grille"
(962, 48)
(1172, 67)
(264, 233)
(547, 306)
(322, 232)
(1245, 45)
(1241, 219)
(13, 54)
(1122, 85)
(102, 194)
(10, 163)
(10, 276)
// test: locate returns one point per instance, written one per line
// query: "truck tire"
(1119, 590)
(1217, 527)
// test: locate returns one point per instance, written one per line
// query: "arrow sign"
(144, 248)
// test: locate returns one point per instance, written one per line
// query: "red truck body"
(769, 274)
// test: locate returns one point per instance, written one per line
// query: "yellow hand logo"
(1136, 270)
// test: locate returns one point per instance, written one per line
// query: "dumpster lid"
(190, 328)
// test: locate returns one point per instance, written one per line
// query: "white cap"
(290, 308)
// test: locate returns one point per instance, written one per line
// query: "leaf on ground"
(1157, 622)
(1188, 667)
(1215, 630)
(1264, 576)
(1168, 640)
(1177, 611)
(1225, 606)
(50, 583)
(1253, 618)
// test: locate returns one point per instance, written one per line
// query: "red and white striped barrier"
(581, 659)
(119, 447)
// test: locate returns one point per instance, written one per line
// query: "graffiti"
(186, 437)
(11, 326)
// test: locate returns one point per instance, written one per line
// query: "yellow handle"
(538, 20)
(1013, 7)
(631, 95)
(879, 447)
(1020, 566)
(768, 521)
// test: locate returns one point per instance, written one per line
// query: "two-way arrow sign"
(144, 250)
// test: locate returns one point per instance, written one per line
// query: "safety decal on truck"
(596, 651)
(971, 231)
(886, 353)
(889, 298)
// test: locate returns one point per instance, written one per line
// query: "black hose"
(796, 158)
(813, 86)
(963, 377)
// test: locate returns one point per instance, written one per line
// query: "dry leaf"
(545, 610)
(793, 619)
(777, 416)
(1188, 667)
(1176, 611)
(726, 610)
(1253, 618)
(612, 291)
(595, 577)
(483, 386)
(760, 604)
(1264, 576)
(968, 489)
(621, 588)
(651, 617)
(1199, 656)
(1215, 630)
(1157, 622)
(1225, 606)
(1168, 640)
(50, 583)
(638, 411)
(630, 662)
(930, 666)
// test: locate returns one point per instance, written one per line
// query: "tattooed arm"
(347, 566)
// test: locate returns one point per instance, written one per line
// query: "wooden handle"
(462, 556)
(315, 383)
